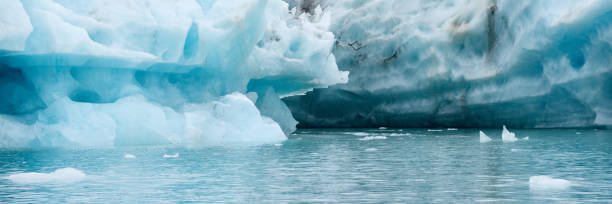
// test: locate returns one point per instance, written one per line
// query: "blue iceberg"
(466, 63)
(99, 73)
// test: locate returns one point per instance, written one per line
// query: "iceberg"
(508, 136)
(465, 63)
(484, 138)
(149, 72)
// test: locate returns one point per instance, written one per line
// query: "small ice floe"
(578, 133)
(452, 129)
(399, 134)
(371, 149)
(65, 175)
(548, 183)
(434, 130)
(484, 138)
(360, 133)
(129, 156)
(373, 138)
(171, 155)
(525, 138)
(382, 128)
(508, 136)
(278, 145)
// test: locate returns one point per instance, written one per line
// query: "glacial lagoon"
(326, 166)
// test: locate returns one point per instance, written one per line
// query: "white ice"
(548, 183)
(65, 175)
(175, 155)
(508, 136)
(484, 138)
(373, 138)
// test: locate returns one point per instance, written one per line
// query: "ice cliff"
(137, 72)
(465, 63)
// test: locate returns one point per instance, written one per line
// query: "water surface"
(337, 165)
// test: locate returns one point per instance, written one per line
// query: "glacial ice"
(129, 156)
(548, 183)
(188, 72)
(368, 138)
(64, 175)
(484, 138)
(508, 136)
(175, 155)
(465, 63)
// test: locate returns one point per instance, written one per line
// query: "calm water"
(347, 166)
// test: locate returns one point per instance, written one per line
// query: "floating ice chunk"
(129, 156)
(484, 138)
(371, 149)
(399, 134)
(452, 129)
(525, 138)
(65, 175)
(578, 133)
(382, 128)
(360, 134)
(508, 136)
(171, 155)
(548, 183)
(434, 130)
(373, 138)
(278, 145)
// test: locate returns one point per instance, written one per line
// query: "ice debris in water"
(95, 73)
(176, 155)
(360, 134)
(373, 138)
(548, 183)
(129, 156)
(370, 149)
(399, 134)
(65, 175)
(508, 136)
(484, 138)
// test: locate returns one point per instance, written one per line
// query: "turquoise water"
(341, 165)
